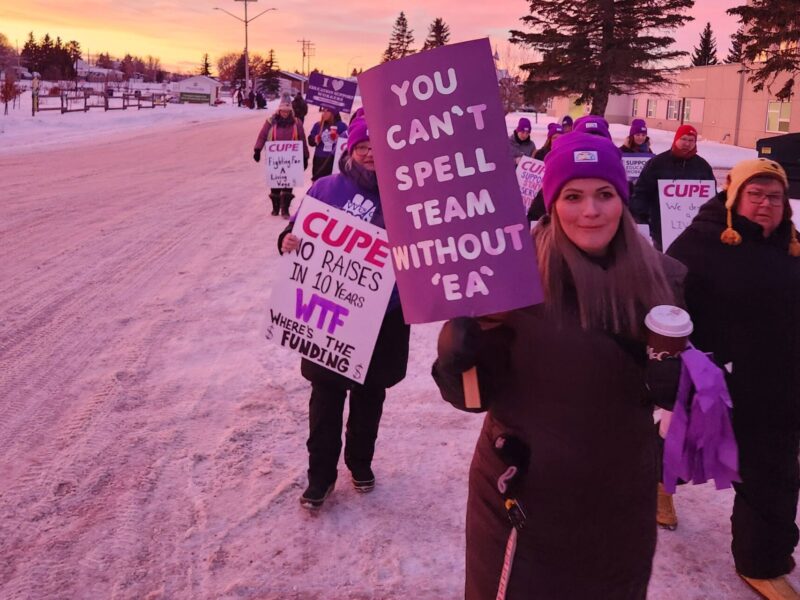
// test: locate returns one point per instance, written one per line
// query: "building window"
(635, 107)
(673, 109)
(651, 108)
(687, 110)
(549, 104)
(778, 117)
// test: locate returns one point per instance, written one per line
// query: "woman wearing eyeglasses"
(354, 190)
(743, 292)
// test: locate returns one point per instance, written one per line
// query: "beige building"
(716, 99)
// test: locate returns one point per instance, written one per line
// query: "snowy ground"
(153, 444)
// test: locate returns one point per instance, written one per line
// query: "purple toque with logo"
(594, 124)
(357, 132)
(638, 126)
(524, 125)
(582, 156)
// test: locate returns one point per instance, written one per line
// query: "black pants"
(281, 200)
(325, 415)
(765, 506)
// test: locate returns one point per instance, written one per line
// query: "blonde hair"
(613, 294)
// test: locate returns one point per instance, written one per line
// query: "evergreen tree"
(771, 34)
(270, 73)
(735, 52)
(438, 34)
(595, 48)
(8, 55)
(205, 68)
(400, 41)
(706, 52)
(354, 72)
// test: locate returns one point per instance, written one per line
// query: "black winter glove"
(459, 344)
(256, 155)
(662, 377)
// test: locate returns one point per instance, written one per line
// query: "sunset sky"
(347, 33)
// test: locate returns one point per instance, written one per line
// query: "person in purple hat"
(637, 141)
(567, 442)
(520, 139)
(554, 130)
(355, 191)
(592, 124)
(566, 124)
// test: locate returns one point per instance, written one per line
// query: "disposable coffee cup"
(668, 328)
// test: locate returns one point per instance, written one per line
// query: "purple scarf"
(700, 444)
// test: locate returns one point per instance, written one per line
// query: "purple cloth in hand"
(700, 444)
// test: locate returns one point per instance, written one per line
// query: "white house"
(198, 89)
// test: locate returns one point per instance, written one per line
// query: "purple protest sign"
(331, 92)
(449, 194)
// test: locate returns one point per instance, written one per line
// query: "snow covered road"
(152, 445)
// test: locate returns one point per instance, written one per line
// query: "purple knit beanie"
(359, 113)
(524, 125)
(554, 128)
(638, 126)
(566, 121)
(593, 124)
(357, 132)
(582, 156)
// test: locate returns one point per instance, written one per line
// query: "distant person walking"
(283, 126)
(300, 107)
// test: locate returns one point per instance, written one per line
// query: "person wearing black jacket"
(681, 161)
(743, 293)
(300, 107)
(567, 443)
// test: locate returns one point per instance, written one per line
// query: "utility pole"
(308, 52)
(245, 21)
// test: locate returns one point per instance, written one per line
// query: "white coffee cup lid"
(669, 321)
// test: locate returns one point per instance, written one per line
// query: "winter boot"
(363, 480)
(665, 511)
(314, 496)
(772, 589)
(276, 203)
(286, 201)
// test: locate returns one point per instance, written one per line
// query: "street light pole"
(245, 21)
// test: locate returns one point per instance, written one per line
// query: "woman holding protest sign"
(323, 137)
(354, 190)
(567, 452)
(283, 126)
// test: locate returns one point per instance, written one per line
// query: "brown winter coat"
(578, 400)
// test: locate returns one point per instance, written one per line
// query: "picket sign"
(451, 199)
(331, 294)
(530, 173)
(679, 201)
(634, 163)
(284, 164)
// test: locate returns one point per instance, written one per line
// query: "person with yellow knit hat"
(743, 292)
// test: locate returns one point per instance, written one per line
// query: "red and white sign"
(680, 200)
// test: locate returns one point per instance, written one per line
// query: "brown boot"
(665, 511)
(772, 589)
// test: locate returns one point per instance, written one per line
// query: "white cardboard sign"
(529, 176)
(634, 163)
(330, 295)
(284, 164)
(680, 200)
(341, 144)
